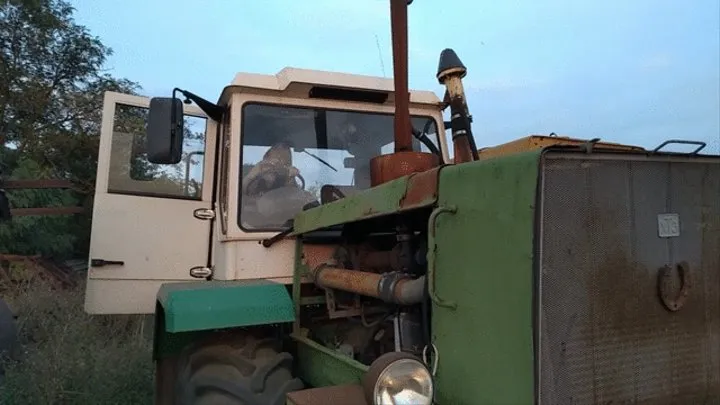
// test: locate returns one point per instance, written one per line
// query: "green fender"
(187, 310)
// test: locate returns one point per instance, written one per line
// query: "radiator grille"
(605, 337)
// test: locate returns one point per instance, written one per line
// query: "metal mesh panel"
(605, 336)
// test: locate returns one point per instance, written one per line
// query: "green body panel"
(385, 199)
(482, 266)
(320, 366)
(224, 304)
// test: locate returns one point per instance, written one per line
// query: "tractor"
(307, 240)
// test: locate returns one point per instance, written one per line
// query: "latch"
(103, 262)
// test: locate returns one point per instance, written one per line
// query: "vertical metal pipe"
(399, 26)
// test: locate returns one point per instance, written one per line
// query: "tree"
(51, 90)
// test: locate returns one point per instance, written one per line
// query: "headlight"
(398, 379)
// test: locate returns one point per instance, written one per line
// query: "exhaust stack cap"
(449, 64)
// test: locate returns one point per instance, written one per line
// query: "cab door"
(143, 225)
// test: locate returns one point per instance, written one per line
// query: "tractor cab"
(196, 200)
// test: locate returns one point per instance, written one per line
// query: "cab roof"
(298, 82)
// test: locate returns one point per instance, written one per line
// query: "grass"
(71, 358)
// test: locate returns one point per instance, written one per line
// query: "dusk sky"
(635, 71)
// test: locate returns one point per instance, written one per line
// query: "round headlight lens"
(404, 382)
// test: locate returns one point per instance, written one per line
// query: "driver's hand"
(293, 171)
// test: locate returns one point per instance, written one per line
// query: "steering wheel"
(278, 171)
(302, 180)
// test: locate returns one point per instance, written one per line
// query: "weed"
(71, 358)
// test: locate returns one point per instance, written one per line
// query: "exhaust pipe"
(404, 161)
(393, 287)
(450, 73)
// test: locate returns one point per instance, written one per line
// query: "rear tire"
(235, 370)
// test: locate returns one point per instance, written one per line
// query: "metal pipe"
(396, 288)
(399, 26)
(461, 130)
(450, 73)
(359, 282)
(409, 291)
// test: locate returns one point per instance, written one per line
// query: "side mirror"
(165, 130)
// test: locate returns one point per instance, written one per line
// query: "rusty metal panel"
(608, 227)
(534, 142)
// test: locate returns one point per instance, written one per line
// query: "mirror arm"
(212, 110)
(173, 117)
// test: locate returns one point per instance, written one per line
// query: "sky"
(637, 72)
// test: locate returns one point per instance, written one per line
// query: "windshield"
(293, 157)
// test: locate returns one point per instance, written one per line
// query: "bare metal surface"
(386, 168)
(334, 395)
(409, 291)
(605, 335)
(422, 186)
(399, 27)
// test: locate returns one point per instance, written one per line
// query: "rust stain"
(358, 282)
(315, 255)
(385, 168)
(421, 187)
(621, 320)
(350, 394)
(378, 260)
(399, 33)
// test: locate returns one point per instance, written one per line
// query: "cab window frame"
(133, 191)
(242, 144)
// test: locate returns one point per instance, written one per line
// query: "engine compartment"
(368, 294)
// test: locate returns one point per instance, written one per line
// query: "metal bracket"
(664, 283)
(701, 145)
(431, 255)
(588, 146)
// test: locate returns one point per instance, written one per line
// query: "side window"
(131, 172)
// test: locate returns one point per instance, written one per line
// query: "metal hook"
(433, 367)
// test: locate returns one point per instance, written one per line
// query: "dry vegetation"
(69, 357)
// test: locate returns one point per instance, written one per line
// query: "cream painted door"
(143, 227)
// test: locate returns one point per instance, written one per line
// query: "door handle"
(204, 214)
(103, 262)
